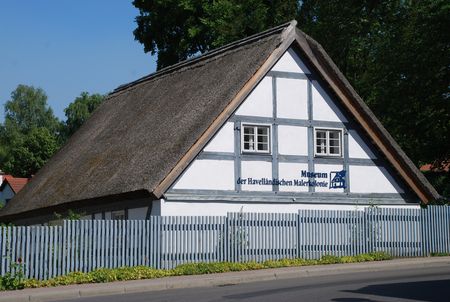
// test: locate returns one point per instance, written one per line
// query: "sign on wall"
(332, 180)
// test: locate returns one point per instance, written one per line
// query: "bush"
(438, 254)
(102, 275)
(15, 278)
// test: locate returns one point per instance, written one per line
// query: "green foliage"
(438, 254)
(79, 110)
(397, 56)
(29, 134)
(395, 53)
(441, 182)
(13, 279)
(143, 272)
(27, 109)
(177, 30)
(70, 215)
(30, 152)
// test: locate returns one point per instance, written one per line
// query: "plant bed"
(102, 275)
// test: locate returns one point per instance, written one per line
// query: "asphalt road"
(419, 284)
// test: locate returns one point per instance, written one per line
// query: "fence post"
(298, 233)
(367, 241)
(423, 231)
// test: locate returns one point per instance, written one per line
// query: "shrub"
(143, 272)
(15, 278)
(329, 259)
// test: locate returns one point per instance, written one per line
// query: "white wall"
(324, 108)
(372, 180)
(169, 208)
(223, 141)
(291, 62)
(292, 98)
(259, 101)
(208, 175)
(291, 140)
(256, 170)
(357, 148)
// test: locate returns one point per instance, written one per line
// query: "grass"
(102, 275)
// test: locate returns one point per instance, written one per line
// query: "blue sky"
(69, 46)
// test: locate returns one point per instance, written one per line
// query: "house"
(436, 167)
(258, 125)
(10, 186)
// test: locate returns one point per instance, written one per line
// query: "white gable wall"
(209, 175)
(324, 108)
(357, 148)
(291, 140)
(292, 101)
(223, 141)
(291, 62)
(7, 193)
(259, 102)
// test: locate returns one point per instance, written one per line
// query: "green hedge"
(102, 275)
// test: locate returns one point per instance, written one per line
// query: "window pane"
(263, 130)
(263, 139)
(334, 134)
(321, 134)
(321, 146)
(335, 150)
(263, 147)
(334, 143)
(248, 130)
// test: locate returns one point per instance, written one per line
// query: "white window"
(118, 215)
(328, 142)
(255, 138)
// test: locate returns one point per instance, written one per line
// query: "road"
(418, 284)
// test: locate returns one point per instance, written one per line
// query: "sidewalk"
(121, 287)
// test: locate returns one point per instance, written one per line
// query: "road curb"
(121, 287)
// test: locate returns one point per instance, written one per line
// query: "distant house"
(265, 124)
(10, 186)
(436, 167)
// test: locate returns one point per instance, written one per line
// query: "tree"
(31, 152)
(28, 109)
(397, 56)
(176, 30)
(79, 110)
(29, 134)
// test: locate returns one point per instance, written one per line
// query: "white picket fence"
(165, 242)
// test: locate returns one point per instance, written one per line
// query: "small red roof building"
(436, 167)
(16, 183)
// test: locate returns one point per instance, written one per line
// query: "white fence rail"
(165, 242)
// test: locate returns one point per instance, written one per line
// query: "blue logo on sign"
(337, 179)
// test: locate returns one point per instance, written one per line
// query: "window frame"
(255, 126)
(327, 140)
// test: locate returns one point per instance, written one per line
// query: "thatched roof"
(146, 132)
